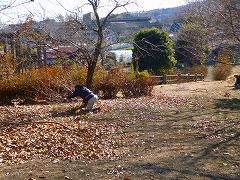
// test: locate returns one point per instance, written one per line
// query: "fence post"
(164, 79)
(179, 78)
(202, 76)
(161, 79)
(196, 77)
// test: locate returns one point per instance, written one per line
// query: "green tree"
(153, 50)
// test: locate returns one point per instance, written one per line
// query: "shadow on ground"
(232, 104)
(209, 151)
(188, 167)
(68, 113)
(162, 171)
(73, 112)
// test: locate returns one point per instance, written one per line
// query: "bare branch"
(11, 4)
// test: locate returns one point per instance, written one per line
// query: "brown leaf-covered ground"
(191, 135)
(62, 131)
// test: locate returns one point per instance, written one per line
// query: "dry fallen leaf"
(55, 132)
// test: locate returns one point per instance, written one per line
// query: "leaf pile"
(44, 140)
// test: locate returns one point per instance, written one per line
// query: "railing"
(180, 78)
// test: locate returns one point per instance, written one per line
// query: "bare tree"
(7, 37)
(221, 17)
(191, 45)
(91, 34)
(12, 4)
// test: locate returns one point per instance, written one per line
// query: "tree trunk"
(90, 73)
(18, 56)
(28, 56)
(39, 55)
(44, 54)
(94, 59)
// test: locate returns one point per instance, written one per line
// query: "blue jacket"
(82, 92)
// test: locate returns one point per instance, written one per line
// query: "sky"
(41, 9)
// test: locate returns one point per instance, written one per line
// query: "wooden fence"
(180, 78)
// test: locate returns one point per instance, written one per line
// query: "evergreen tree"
(153, 50)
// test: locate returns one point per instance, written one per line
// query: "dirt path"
(207, 88)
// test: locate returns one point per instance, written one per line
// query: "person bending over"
(89, 98)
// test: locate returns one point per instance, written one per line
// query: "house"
(61, 52)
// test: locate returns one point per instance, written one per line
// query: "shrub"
(48, 83)
(223, 69)
(18, 87)
(55, 82)
(100, 76)
(78, 74)
(139, 85)
(108, 83)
